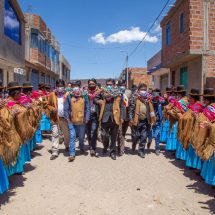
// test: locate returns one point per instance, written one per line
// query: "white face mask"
(60, 89)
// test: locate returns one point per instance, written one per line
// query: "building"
(65, 69)
(12, 41)
(136, 76)
(160, 75)
(42, 52)
(188, 43)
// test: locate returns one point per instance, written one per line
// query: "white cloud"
(124, 36)
(157, 28)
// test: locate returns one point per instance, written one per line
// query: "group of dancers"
(186, 123)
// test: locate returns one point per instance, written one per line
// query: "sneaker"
(113, 156)
(53, 157)
(92, 153)
(97, 155)
(71, 158)
(157, 152)
(141, 154)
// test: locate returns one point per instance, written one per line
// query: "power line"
(150, 28)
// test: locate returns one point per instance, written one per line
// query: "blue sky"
(93, 32)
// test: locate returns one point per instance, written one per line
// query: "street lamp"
(127, 73)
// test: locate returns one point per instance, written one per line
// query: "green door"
(184, 77)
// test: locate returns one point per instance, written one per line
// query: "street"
(129, 185)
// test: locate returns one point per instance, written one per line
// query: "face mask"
(92, 87)
(109, 87)
(142, 92)
(122, 89)
(60, 89)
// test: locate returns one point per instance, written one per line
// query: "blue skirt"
(208, 171)
(45, 123)
(23, 157)
(193, 159)
(180, 152)
(164, 131)
(38, 136)
(4, 184)
(172, 138)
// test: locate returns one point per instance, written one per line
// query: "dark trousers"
(121, 136)
(92, 131)
(109, 132)
(139, 134)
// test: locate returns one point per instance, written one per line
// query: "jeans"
(139, 134)
(80, 131)
(109, 132)
(92, 131)
(156, 130)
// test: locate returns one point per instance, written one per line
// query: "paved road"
(129, 185)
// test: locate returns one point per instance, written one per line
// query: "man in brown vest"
(77, 113)
(111, 115)
(142, 116)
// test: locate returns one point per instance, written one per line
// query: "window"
(47, 79)
(182, 23)
(34, 38)
(42, 78)
(168, 34)
(12, 24)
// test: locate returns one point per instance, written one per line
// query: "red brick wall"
(39, 23)
(196, 25)
(37, 56)
(212, 26)
(211, 66)
(179, 41)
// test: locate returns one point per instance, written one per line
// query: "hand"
(14, 112)
(100, 102)
(86, 121)
(121, 121)
(131, 122)
(205, 124)
(54, 110)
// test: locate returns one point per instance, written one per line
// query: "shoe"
(141, 154)
(157, 152)
(104, 151)
(53, 157)
(92, 153)
(71, 158)
(97, 155)
(148, 145)
(113, 156)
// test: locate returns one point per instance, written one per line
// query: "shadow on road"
(199, 186)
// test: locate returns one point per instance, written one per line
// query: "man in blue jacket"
(77, 113)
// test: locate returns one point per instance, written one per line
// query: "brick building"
(160, 75)
(12, 41)
(188, 43)
(65, 69)
(42, 52)
(136, 76)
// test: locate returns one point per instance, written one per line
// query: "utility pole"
(127, 70)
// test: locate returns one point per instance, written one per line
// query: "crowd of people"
(105, 113)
